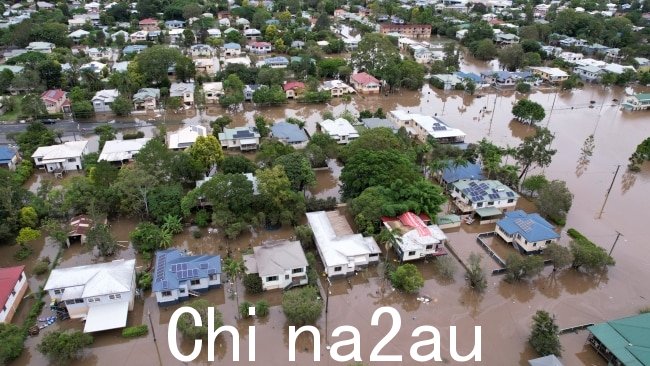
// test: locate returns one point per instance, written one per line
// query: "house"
(293, 88)
(175, 35)
(42, 47)
(379, 123)
(528, 233)
(103, 99)
(134, 48)
(550, 360)
(122, 150)
(139, 36)
(185, 91)
(185, 137)
(447, 81)
(571, 57)
(177, 275)
(506, 38)
(231, 49)
(461, 33)
(259, 47)
(281, 264)
(103, 53)
(622, 341)
(207, 66)
(243, 23)
(424, 127)
(290, 134)
(252, 34)
(423, 55)
(101, 293)
(55, 101)
(453, 173)
(487, 198)
(407, 30)
(212, 91)
(13, 286)
(120, 33)
(79, 226)
(340, 130)
(465, 76)
(174, 24)
(243, 138)
(94, 66)
(8, 158)
(224, 22)
(201, 50)
(214, 32)
(148, 24)
(66, 156)
(342, 252)
(278, 62)
(249, 90)
(92, 7)
(550, 74)
(644, 64)
(298, 44)
(365, 83)
(499, 78)
(78, 35)
(414, 239)
(588, 73)
(637, 102)
(337, 88)
(146, 99)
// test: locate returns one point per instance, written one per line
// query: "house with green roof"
(623, 342)
(637, 102)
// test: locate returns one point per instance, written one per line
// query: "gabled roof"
(70, 149)
(118, 150)
(53, 95)
(6, 154)
(8, 279)
(364, 78)
(549, 360)
(97, 279)
(275, 257)
(485, 190)
(178, 89)
(293, 85)
(531, 227)
(148, 21)
(455, 173)
(232, 46)
(146, 93)
(79, 225)
(238, 133)
(173, 267)
(288, 132)
(338, 127)
(259, 44)
(186, 136)
(626, 338)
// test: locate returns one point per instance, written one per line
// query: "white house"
(13, 286)
(337, 88)
(146, 99)
(185, 91)
(487, 198)
(242, 138)
(414, 239)
(102, 294)
(176, 275)
(424, 126)
(231, 49)
(139, 36)
(212, 91)
(103, 99)
(340, 130)
(252, 34)
(122, 150)
(202, 50)
(185, 137)
(281, 264)
(528, 233)
(66, 156)
(103, 53)
(259, 47)
(341, 251)
(207, 66)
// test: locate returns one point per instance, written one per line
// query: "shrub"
(262, 308)
(320, 204)
(253, 283)
(446, 266)
(186, 322)
(135, 331)
(41, 267)
(243, 309)
(302, 306)
(305, 235)
(63, 347)
(475, 274)
(144, 280)
(544, 337)
(202, 218)
(133, 135)
(12, 342)
(518, 268)
(23, 252)
(312, 274)
(407, 277)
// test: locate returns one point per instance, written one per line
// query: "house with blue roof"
(278, 62)
(8, 158)
(174, 24)
(290, 134)
(133, 49)
(528, 233)
(177, 276)
(453, 173)
(231, 49)
(499, 78)
(469, 76)
(488, 199)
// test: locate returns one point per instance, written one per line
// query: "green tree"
(186, 322)
(234, 268)
(253, 283)
(146, 237)
(26, 235)
(375, 54)
(234, 91)
(153, 63)
(478, 31)
(523, 87)
(262, 309)
(298, 170)
(475, 273)
(528, 111)
(207, 151)
(100, 236)
(61, 347)
(446, 266)
(28, 217)
(535, 151)
(233, 164)
(50, 73)
(185, 70)
(32, 106)
(554, 201)
(407, 277)
(164, 200)
(560, 255)
(262, 125)
(451, 58)
(640, 155)
(589, 256)
(121, 106)
(544, 336)
(483, 49)
(534, 184)
(82, 109)
(12, 342)
(172, 224)
(280, 204)
(519, 268)
(271, 150)
(511, 57)
(305, 235)
(220, 123)
(302, 306)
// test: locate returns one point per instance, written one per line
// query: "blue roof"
(289, 132)
(6, 154)
(452, 174)
(469, 75)
(232, 46)
(276, 60)
(531, 227)
(173, 267)
(134, 48)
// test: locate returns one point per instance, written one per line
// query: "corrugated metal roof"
(627, 338)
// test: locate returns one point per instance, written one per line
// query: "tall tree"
(50, 73)
(544, 336)
(535, 151)
(375, 54)
(298, 170)
(207, 151)
(554, 201)
(528, 111)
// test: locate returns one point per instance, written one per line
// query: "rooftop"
(531, 227)
(79, 225)
(454, 173)
(8, 278)
(238, 133)
(364, 78)
(275, 257)
(485, 190)
(626, 338)
(338, 127)
(185, 136)
(6, 154)
(173, 267)
(96, 279)
(119, 150)
(70, 149)
(289, 132)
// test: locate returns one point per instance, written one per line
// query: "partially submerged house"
(337, 88)
(185, 137)
(528, 233)
(13, 286)
(550, 360)
(340, 130)
(281, 264)
(551, 74)
(65, 156)
(365, 83)
(453, 173)
(79, 227)
(146, 99)
(637, 102)
(424, 127)
(290, 134)
(486, 198)
(184, 91)
(102, 294)
(8, 158)
(122, 150)
(342, 252)
(103, 99)
(242, 138)
(415, 239)
(177, 276)
(622, 341)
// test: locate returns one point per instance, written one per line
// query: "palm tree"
(387, 238)
(234, 268)
(166, 239)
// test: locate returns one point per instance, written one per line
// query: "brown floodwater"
(504, 310)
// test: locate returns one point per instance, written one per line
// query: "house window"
(271, 278)
(78, 301)
(195, 282)
(491, 203)
(59, 291)
(374, 255)
(182, 291)
(212, 277)
(69, 302)
(548, 242)
(430, 246)
(337, 269)
(480, 204)
(411, 253)
(511, 200)
(115, 296)
(297, 270)
(13, 292)
(286, 277)
(166, 293)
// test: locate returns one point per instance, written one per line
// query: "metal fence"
(490, 252)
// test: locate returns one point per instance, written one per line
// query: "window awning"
(488, 211)
(106, 316)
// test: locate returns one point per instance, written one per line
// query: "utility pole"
(600, 214)
(552, 107)
(618, 235)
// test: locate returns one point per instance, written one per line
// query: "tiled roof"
(364, 78)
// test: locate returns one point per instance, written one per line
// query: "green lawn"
(13, 115)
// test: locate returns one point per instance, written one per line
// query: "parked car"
(48, 121)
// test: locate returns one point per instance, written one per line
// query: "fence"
(575, 328)
(490, 252)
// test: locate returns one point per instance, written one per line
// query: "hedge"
(136, 331)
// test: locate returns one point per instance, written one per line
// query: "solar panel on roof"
(184, 266)
(165, 284)
(212, 270)
(173, 268)
(510, 194)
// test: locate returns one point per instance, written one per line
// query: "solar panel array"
(478, 191)
(185, 274)
(510, 194)
(525, 224)
(160, 268)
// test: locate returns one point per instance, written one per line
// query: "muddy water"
(327, 181)
(504, 310)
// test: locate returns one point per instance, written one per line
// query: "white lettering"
(355, 342)
(293, 335)
(212, 337)
(397, 324)
(251, 336)
(171, 334)
(435, 341)
(476, 351)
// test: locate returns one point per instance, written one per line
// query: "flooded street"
(504, 311)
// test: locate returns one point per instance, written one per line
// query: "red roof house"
(148, 24)
(292, 88)
(365, 83)
(54, 100)
(79, 226)
(13, 285)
